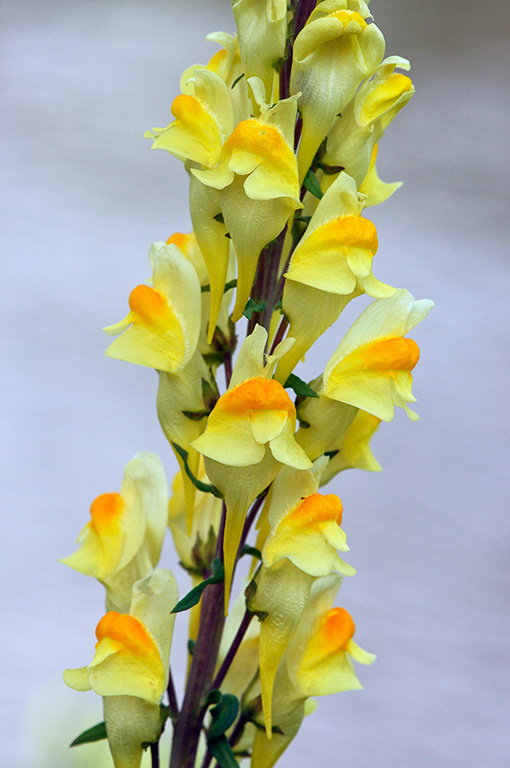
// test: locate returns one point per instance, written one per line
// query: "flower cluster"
(279, 134)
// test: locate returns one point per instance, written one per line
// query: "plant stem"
(172, 697)
(227, 661)
(264, 286)
(155, 755)
(212, 619)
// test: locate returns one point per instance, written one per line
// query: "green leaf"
(204, 487)
(223, 716)
(221, 750)
(311, 184)
(299, 386)
(213, 697)
(253, 551)
(253, 306)
(96, 733)
(228, 286)
(193, 597)
(237, 80)
(191, 646)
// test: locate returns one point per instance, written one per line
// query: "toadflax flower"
(333, 53)
(249, 435)
(302, 545)
(123, 540)
(331, 265)
(130, 667)
(371, 368)
(162, 327)
(317, 662)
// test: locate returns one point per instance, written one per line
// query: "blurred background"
(83, 200)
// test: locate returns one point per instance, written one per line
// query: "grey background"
(82, 201)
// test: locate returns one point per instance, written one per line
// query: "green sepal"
(96, 733)
(253, 551)
(299, 386)
(204, 487)
(253, 306)
(311, 184)
(196, 415)
(193, 597)
(223, 716)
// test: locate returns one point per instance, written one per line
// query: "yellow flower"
(257, 416)
(162, 327)
(331, 264)
(130, 667)
(262, 29)
(203, 119)
(123, 540)
(371, 368)
(302, 545)
(355, 132)
(258, 183)
(317, 662)
(334, 51)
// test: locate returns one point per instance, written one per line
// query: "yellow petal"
(127, 660)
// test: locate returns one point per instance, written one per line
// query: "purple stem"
(227, 661)
(212, 619)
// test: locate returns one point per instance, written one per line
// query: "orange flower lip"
(260, 139)
(105, 509)
(148, 305)
(335, 630)
(256, 394)
(348, 231)
(316, 509)
(384, 356)
(128, 631)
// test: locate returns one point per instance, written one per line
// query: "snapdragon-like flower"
(317, 662)
(262, 30)
(302, 545)
(130, 667)
(162, 327)
(351, 140)
(257, 178)
(333, 53)
(258, 418)
(123, 540)
(331, 264)
(371, 368)
(203, 119)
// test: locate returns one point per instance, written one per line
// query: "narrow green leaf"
(237, 80)
(193, 597)
(223, 716)
(204, 487)
(228, 286)
(253, 551)
(96, 733)
(299, 386)
(221, 750)
(253, 306)
(311, 184)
